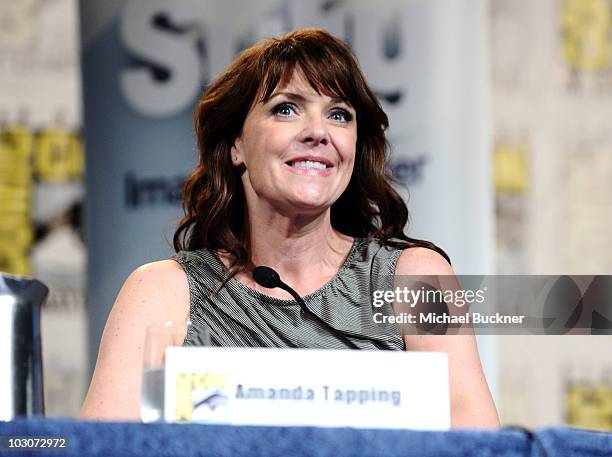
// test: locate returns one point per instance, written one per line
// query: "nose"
(315, 131)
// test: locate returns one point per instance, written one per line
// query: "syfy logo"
(179, 46)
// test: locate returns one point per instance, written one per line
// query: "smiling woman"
(298, 150)
(292, 174)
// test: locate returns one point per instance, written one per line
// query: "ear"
(236, 154)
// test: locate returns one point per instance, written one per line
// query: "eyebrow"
(301, 98)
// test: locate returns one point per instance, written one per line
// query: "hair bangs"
(327, 73)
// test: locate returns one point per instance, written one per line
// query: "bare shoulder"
(152, 294)
(152, 283)
(157, 290)
(422, 261)
(163, 275)
(162, 270)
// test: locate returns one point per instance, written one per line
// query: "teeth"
(309, 164)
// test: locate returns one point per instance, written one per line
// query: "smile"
(308, 164)
(309, 167)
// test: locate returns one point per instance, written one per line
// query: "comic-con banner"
(35, 162)
(145, 62)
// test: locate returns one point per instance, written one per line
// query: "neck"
(305, 250)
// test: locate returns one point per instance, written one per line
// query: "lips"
(310, 165)
(310, 161)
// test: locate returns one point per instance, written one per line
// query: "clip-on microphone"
(269, 278)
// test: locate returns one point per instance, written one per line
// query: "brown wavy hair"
(213, 197)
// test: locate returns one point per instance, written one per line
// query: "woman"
(292, 175)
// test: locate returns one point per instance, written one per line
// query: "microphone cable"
(270, 279)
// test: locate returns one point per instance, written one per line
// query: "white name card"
(303, 387)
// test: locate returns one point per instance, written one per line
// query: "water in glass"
(152, 404)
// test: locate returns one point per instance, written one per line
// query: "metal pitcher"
(21, 376)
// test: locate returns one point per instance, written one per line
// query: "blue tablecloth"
(112, 439)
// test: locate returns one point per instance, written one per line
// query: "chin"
(311, 205)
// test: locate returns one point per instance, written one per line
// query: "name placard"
(303, 387)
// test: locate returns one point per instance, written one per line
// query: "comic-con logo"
(199, 395)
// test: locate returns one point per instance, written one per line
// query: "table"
(117, 439)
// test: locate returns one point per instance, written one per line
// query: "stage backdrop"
(146, 61)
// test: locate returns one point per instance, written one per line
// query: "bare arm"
(471, 402)
(152, 294)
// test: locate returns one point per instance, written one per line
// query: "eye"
(284, 109)
(341, 115)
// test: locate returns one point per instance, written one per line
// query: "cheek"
(255, 152)
(348, 142)
(264, 146)
(349, 150)
(261, 159)
(350, 158)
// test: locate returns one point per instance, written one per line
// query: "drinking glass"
(158, 338)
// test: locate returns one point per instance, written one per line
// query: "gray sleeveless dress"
(242, 317)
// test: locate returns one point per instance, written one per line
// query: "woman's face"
(297, 148)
